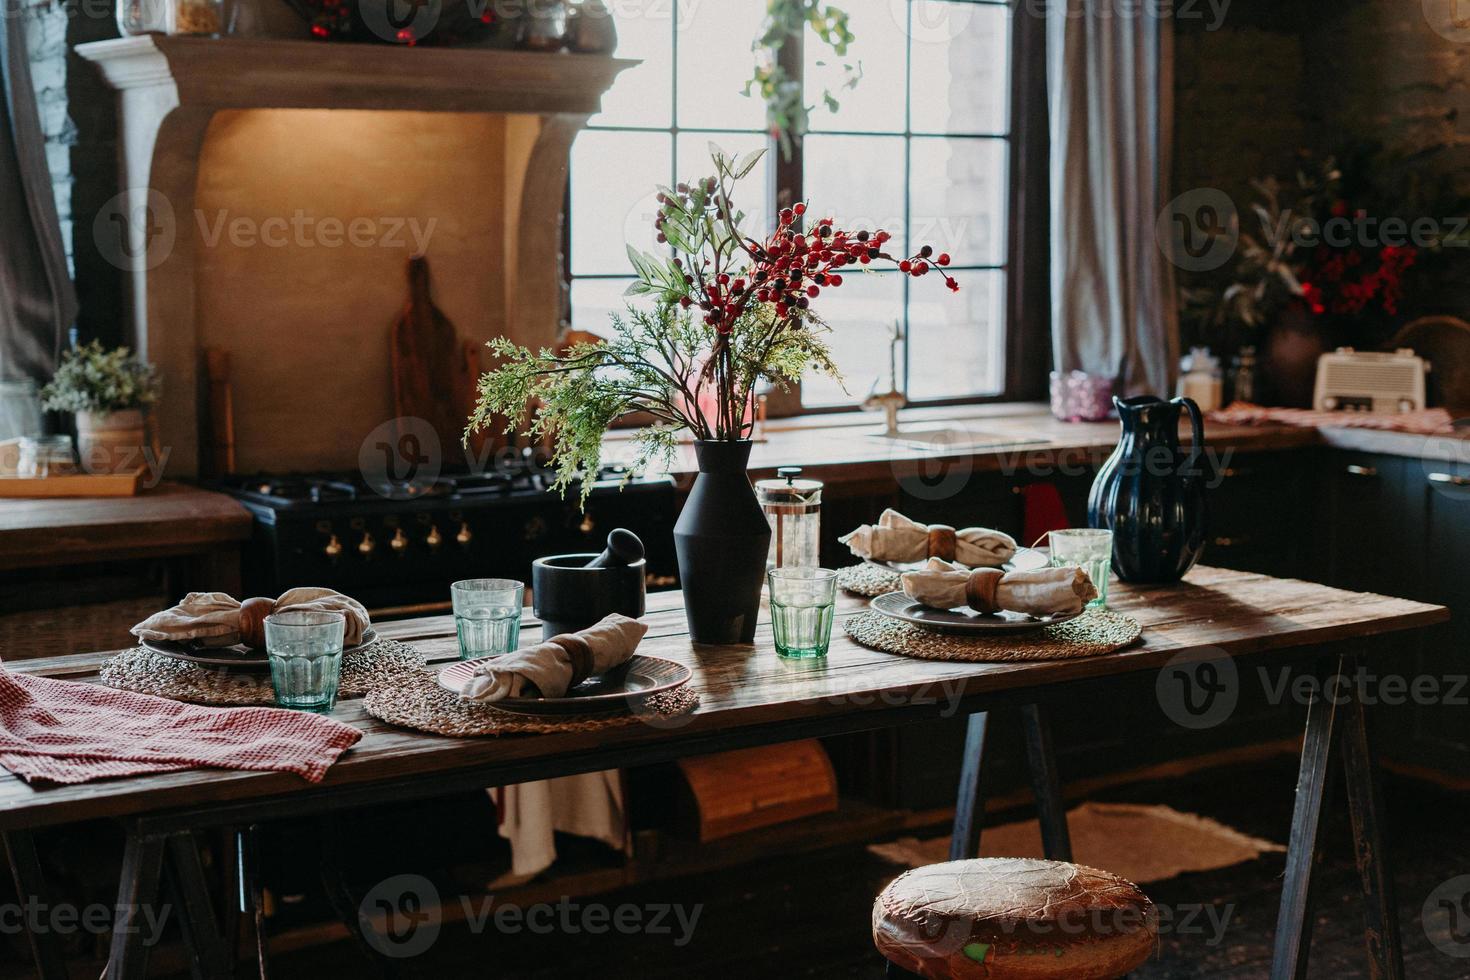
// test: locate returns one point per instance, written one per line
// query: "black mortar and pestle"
(572, 592)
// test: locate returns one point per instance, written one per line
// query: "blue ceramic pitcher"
(1151, 493)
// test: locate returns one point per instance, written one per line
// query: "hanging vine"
(787, 115)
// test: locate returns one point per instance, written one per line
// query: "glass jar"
(196, 17)
(47, 456)
(543, 25)
(794, 509)
(20, 410)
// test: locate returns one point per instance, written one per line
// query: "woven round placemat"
(140, 670)
(420, 703)
(868, 579)
(1094, 632)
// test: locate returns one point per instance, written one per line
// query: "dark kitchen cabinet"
(1401, 526)
(963, 499)
(1366, 516)
(1256, 509)
(1433, 729)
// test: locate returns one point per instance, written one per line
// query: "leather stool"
(1013, 919)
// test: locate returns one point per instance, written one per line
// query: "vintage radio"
(1360, 381)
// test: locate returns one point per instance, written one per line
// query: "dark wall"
(1382, 72)
(1273, 77)
(1240, 94)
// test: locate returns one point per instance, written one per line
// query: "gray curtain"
(37, 302)
(1110, 95)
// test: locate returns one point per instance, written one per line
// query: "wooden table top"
(749, 696)
(169, 519)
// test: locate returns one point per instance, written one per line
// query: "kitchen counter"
(841, 449)
(170, 519)
(848, 448)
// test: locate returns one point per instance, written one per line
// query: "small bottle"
(1200, 379)
(1243, 376)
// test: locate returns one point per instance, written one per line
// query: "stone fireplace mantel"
(175, 93)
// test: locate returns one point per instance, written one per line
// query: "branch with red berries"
(754, 293)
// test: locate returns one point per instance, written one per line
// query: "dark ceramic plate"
(960, 621)
(1024, 560)
(613, 691)
(239, 656)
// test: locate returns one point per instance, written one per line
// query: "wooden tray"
(81, 485)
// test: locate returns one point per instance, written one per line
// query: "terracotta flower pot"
(111, 442)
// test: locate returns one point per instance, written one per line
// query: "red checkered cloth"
(1429, 422)
(69, 732)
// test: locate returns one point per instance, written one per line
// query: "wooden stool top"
(1014, 919)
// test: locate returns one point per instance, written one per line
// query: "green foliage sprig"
(93, 379)
(787, 115)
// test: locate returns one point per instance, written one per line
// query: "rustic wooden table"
(751, 697)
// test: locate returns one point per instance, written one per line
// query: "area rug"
(1140, 843)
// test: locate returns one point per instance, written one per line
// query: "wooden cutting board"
(434, 372)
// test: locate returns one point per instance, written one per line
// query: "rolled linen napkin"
(1059, 591)
(219, 620)
(896, 538)
(553, 668)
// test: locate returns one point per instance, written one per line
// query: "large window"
(921, 147)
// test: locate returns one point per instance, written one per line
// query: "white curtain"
(1110, 96)
(37, 303)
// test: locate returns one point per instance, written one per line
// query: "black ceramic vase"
(722, 538)
(1151, 493)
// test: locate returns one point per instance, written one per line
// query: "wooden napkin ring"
(252, 621)
(580, 654)
(942, 542)
(980, 589)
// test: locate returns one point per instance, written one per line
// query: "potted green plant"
(107, 391)
(722, 313)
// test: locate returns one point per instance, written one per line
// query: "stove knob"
(333, 548)
(400, 540)
(464, 535)
(434, 538)
(367, 545)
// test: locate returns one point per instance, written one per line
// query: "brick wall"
(1314, 73)
(1385, 73)
(1241, 109)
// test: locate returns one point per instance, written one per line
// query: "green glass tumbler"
(487, 616)
(305, 653)
(803, 603)
(1092, 550)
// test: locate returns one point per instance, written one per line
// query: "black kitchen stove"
(397, 546)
